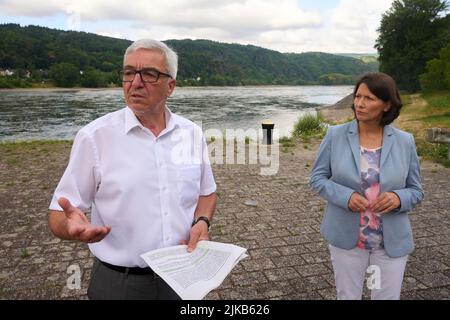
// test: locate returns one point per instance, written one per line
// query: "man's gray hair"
(150, 44)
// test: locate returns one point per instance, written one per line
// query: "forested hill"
(36, 47)
(238, 64)
(201, 62)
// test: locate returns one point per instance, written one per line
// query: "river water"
(47, 114)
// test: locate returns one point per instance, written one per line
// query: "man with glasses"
(144, 173)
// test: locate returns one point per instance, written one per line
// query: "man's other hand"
(199, 231)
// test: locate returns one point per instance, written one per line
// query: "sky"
(333, 26)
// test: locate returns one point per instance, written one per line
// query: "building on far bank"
(6, 72)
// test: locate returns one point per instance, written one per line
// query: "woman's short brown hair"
(384, 88)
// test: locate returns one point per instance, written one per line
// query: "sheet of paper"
(193, 275)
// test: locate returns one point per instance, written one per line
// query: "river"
(59, 114)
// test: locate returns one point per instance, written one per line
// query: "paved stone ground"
(288, 256)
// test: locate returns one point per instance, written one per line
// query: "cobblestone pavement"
(288, 256)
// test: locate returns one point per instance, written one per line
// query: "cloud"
(32, 8)
(279, 25)
(230, 15)
(358, 14)
(355, 23)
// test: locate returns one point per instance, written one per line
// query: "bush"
(309, 125)
(437, 75)
(9, 83)
(4, 83)
(437, 152)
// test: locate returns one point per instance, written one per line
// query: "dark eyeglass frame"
(158, 74)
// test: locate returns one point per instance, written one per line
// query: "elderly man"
(145, 174)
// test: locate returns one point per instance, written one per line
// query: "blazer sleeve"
(321, 174)
(412, 194)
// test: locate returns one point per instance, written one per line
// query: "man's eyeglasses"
(147, 75)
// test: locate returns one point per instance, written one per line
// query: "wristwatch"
(204, 219)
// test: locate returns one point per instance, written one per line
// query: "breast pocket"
(188, 183)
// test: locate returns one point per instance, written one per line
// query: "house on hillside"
(6, 72)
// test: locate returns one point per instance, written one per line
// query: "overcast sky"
(335, 26)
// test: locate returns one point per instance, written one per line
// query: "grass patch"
(4, 293)
(13, 162)
(438, 100)
(287, 142)
(25, 254)
(437, 112)
(33, 143)
(439, 119)
(406, 99)
(20, 153)
(247, 140)
(10, 147)
(306, 139)
(309, 126)
(297, 184)
(428, 109)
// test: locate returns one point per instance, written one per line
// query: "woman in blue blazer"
(369, 173)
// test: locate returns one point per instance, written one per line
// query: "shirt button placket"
(162, 175)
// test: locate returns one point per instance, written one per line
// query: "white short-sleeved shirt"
(145, 187)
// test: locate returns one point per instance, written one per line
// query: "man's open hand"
(78, 226)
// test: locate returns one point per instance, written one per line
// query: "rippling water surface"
(31, 115)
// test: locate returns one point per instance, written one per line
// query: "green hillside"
(32, 51)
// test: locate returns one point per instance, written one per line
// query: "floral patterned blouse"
(370, 224)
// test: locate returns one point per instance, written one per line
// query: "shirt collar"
(131, 121)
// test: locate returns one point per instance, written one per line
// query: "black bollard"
(267, 127)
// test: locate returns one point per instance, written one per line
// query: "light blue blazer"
(336, 175)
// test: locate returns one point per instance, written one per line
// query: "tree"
(93, 78)
(64, 74)
(411, 33)
(437, 76)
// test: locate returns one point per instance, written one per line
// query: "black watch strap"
(204, 219)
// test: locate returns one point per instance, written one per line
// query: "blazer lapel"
(353, 140)
(388, 141)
